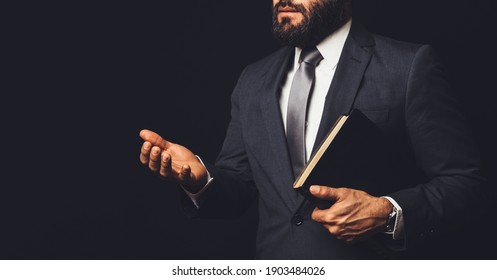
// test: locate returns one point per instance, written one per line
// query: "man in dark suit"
(401, 87)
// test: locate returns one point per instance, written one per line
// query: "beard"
(319, 20)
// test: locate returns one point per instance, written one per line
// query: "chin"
(290, 20)
(288, 25)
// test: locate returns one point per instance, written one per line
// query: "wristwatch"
(392, 217)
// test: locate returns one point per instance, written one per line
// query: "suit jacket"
(399, 86)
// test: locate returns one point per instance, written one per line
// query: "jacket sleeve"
(444, 149)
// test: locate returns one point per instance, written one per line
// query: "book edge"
(330, 136)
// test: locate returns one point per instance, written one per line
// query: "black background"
(83, 79)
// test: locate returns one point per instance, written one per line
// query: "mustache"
(288, 3)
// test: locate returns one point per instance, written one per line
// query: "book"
(354, 154)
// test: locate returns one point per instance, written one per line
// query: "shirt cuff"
(198, 197)
(398, 229)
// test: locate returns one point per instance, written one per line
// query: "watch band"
(392, 217)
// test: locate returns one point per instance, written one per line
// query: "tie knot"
(311, 55)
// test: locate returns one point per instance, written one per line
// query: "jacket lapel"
(353, 62)
(271, 111)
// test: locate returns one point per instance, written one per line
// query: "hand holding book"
(349, 171)
(355, 216)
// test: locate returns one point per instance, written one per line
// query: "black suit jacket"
(399, 86)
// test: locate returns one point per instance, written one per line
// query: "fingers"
(150, 155)
(343, 233)
(155, 162)
(326, 193)
(145, 152)
(165, 167)
(155, 139)
(323, 216)
(184, 174)
(331, 214)
(166, 170)
(335, 230)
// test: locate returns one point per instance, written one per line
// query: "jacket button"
(297, 220)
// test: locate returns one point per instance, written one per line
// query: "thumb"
(155, 139)
(326, 193)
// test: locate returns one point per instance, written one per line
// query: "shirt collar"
(331, 47)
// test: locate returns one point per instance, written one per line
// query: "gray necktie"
(297, 106)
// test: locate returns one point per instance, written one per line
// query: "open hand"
(172, 162)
